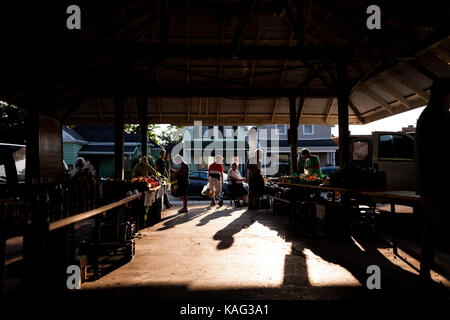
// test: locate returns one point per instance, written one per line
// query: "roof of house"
(102, 149)
(71, 135)
(307, 143)
(103, 133)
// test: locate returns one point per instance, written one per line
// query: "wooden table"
(403, 197)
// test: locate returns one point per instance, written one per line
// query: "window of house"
(229, 132)
(395, 147)
(281, 129)
(308, 129)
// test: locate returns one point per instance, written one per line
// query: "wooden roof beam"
(441, 54)
(422, 69)
(328, 110)
(377, 99)
(218, 92)
(355, 110)
(411, 86)
(243, 22)
(397, 95)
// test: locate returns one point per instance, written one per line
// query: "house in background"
(96, 144)
(316, 138)
(233, 141)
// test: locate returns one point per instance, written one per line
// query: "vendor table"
(400, 197)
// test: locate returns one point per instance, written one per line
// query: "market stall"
(336, 206)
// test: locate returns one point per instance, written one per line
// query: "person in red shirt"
(215, 178)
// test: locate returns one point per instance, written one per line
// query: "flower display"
(296, 179)
(151, 182)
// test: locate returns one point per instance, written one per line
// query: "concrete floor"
(226, 253)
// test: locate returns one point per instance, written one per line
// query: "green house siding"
(106, 166)
(70, 152)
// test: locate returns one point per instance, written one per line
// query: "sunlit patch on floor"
(323, 273)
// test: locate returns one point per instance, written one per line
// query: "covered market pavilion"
(247, 62)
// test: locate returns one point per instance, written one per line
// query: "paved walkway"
(226, 253)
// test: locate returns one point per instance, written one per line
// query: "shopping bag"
(207, 191)
(175, 190)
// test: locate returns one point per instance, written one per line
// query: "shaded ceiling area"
(223, 62)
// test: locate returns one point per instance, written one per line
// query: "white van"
(391, 152)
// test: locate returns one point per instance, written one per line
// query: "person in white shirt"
(235, 186)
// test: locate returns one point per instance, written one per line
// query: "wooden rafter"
(355, 110)
(300, 109)
(372, 95)
(411, 86)
(243, 22)
(422, 69)
(328, 109)
(441, 54)
(397, 95)
(362, 77)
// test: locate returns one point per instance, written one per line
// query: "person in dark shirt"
(161, 167)
(182, 176)
(432, 137)
(160, 163)
(255, 179)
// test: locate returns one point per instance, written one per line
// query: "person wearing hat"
(143, 168)
(235, 186)
(182, 177)
(215, 178)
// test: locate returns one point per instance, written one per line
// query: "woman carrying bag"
(215, 178)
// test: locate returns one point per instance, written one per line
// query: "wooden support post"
(118, 137)
(143, 122)
(293, 134)
(343, 100)
(32, 167)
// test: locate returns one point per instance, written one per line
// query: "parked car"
(198, 179)
(330, 169)
(12, 163)
(389, 152)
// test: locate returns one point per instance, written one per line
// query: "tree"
(134, 128)
(12, 123)
(172, 134)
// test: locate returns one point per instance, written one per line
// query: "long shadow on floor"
(183, 218)
(396, 282)
(217, 214)
(344, 253)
